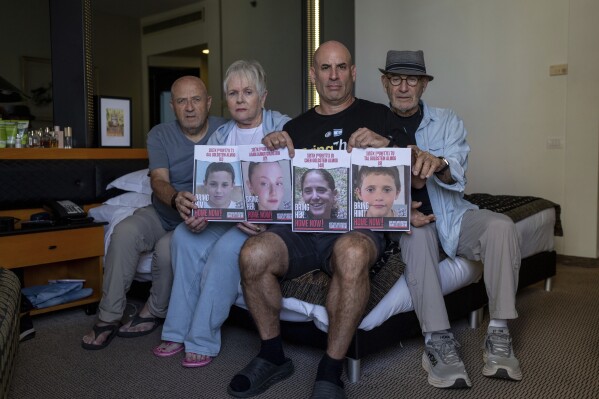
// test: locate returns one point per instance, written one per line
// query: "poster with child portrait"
(217, 183)
(381, 182)
(321, 191)
(266, 184)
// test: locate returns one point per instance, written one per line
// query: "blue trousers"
(206, 280)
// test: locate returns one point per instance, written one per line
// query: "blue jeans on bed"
(205, 285)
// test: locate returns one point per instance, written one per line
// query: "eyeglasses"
(397, 79)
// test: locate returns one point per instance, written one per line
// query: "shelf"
(85, 301)
(73, 153)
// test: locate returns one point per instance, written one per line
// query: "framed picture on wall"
(114, 121)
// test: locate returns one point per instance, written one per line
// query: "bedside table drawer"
(51, 246)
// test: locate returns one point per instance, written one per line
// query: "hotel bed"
(535, 234)
(537, 221)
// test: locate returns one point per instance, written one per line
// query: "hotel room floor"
(555, 339)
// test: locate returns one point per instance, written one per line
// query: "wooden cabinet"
(65, 253)
(74, 252)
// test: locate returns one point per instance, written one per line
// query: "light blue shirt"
(441, 132)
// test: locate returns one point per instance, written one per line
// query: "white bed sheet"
(535, 235)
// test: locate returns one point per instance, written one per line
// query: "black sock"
(271, 350)
(330, 369)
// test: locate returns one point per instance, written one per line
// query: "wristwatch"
(173, 198)
(446, 162)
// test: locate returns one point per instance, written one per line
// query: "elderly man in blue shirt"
(438, 138)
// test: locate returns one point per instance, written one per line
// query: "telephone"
(65, 210)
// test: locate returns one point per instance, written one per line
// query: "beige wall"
(192, 34)
(117, 65)
(491, 64)
(582, 130)
(271, 34)
(232, 30)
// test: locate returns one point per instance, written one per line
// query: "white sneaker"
(498, 355)
(443, 364)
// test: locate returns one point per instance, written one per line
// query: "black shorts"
(312, 251)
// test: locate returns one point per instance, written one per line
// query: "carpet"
(556, 339)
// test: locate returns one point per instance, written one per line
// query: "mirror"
(26, 61)
(125, 47)
(117, 58)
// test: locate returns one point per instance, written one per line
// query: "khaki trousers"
(134, 235)
(485, 236)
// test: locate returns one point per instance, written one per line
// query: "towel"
(43, 296)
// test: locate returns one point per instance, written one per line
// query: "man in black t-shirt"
(318, 131)
(341, 121)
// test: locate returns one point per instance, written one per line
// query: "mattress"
(535, 234)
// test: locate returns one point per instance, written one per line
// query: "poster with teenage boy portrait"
(381, 189)
(217, 183)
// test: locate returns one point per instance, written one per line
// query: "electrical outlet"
(556, 70)
(555, 143)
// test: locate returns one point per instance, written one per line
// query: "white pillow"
(138, 182)
(135, 200)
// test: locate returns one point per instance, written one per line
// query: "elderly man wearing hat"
(438, 138)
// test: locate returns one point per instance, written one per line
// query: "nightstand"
(65, 252)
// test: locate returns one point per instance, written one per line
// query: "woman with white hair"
(205, 254)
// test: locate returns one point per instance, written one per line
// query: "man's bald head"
(191, 103)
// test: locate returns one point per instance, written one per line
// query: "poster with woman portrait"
(217, 183)
(381, 182)
(266, 184)
(321, 191)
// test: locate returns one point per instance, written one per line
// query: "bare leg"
(262, 260)
(349, 290)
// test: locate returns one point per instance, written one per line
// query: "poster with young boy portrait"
(381, 189)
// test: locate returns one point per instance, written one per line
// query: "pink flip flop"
(161, 352)
(196, 363)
